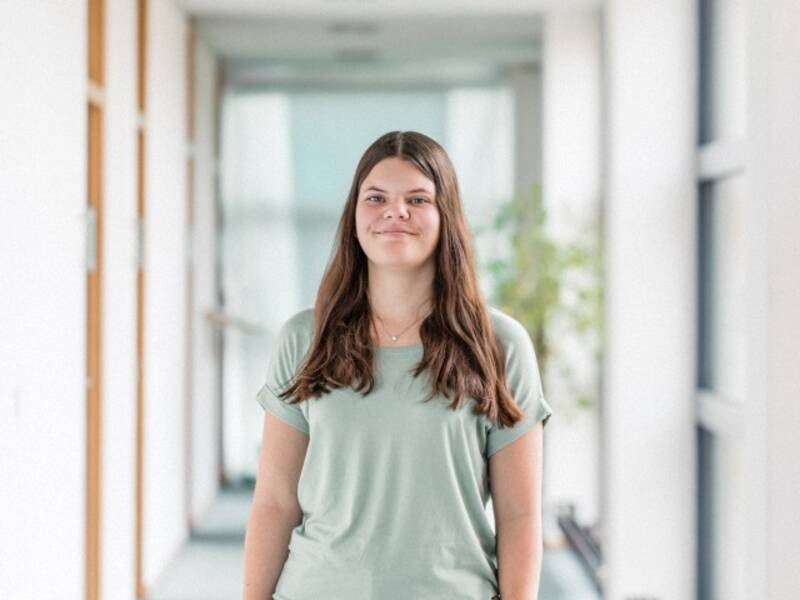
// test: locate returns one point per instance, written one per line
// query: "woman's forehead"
(399, 180)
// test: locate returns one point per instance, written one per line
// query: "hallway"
(174, 172)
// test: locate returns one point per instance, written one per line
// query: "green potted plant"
(543, 282)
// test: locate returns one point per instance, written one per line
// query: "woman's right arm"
(275, 510)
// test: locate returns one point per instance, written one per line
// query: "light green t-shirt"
(394, 490)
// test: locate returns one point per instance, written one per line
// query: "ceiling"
(386, 43)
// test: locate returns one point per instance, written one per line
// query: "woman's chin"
(397, 262)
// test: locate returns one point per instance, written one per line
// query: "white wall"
(571, 104)
(165, 319)
(758, 560)
(43, 274)
(205, 416)
(649, 379)
(43, 301)
(119, 308)
(773, 161)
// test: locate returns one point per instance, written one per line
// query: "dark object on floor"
(584, 543)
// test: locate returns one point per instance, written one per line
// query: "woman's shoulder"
(507, 329)
(298, 326)
(302, 319)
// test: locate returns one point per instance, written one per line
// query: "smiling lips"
(394, 232)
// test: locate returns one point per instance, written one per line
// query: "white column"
(649, 384)
(118, 475)
(526, 81)
(165, 319)
(772, 155)
(571, 104)
(205, 416)
(43, 245)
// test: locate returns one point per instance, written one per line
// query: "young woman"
(395, 407)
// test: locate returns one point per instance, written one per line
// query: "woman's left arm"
(515, 477)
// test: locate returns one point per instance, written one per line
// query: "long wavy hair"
(460, 351)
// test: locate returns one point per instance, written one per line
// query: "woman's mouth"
(394, 233)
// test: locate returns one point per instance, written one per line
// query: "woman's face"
(397, 218)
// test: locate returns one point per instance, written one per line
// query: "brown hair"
(460, 349)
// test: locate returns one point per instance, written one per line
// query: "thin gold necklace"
(394, 338)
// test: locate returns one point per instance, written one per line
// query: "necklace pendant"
(394, 338)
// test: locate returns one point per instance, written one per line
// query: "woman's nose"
(396, 208)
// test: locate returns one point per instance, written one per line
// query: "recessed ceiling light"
(354, 27)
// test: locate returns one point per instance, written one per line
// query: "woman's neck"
(397, 300)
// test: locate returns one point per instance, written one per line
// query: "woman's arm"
(515, 476)
(265, 550)
(275, 511)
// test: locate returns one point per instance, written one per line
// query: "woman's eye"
(421, 199)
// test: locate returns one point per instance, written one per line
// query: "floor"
(217, 552)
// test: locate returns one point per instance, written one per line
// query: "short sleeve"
(524, 383)
(287, 352)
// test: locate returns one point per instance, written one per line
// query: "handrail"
(221, 318)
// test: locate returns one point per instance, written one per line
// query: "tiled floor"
(210, 566)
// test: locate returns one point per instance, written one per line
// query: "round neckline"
(398, 349)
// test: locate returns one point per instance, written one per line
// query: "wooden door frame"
(141, 106)
(95, 86)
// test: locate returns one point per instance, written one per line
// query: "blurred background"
(171, 177)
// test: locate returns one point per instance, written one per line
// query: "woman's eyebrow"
(414, 191)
